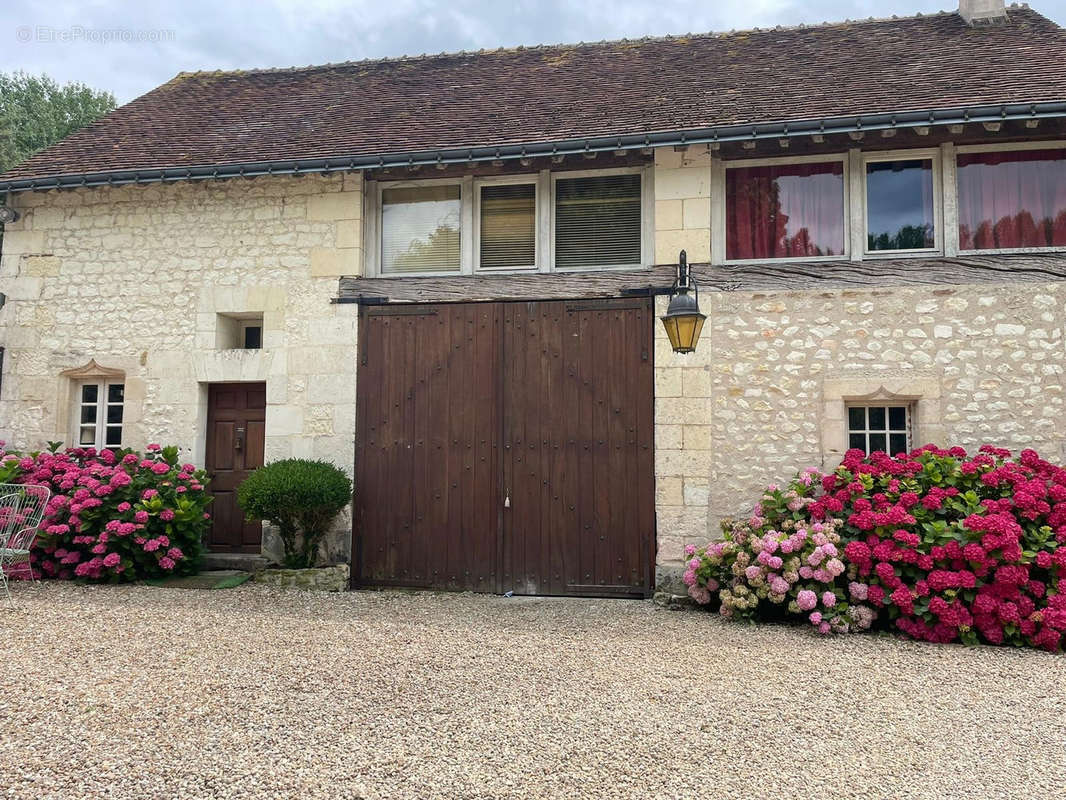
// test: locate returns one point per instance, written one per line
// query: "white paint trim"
(647, 198)
(101, 405)
(925, 154)
(505, 180)
(372, 250)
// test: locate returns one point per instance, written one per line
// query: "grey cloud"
(213, 34)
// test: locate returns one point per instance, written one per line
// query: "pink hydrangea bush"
(781, 558)
(115, 515)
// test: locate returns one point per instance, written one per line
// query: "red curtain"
(1012, 199)
(789, 211)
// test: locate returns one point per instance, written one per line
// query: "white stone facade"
(137, 278)
(764, 394)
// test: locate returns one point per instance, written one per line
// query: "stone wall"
(136, 278)
(764, 394)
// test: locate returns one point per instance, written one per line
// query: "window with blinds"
(508, 227)
(420, 229)
(597, 221)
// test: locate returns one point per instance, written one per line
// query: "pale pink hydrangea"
(829, 599)
(699, 594)
(806, 599)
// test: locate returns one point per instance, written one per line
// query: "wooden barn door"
(235, 440)
(426, 466)
(578, 448)
(506, 447)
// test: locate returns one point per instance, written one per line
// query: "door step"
(245, 562)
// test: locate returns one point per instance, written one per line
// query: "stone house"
(443, 274)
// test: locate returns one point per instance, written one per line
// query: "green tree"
(35, 112)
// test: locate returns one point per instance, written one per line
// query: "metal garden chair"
(21, 511)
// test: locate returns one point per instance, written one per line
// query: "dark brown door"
(426, 465)
(506, 447)
(578, 448)
(235, 436)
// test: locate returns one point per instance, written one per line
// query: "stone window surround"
(545, 218)
(921, 393)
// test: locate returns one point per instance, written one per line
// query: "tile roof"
(554, 93)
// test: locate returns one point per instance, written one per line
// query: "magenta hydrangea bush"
(934, 544)
(115, 515)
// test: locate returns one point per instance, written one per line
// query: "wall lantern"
(683, 320)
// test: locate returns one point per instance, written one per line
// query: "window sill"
(1012, 250)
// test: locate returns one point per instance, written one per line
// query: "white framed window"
(1011, 198)
(421, 228)
(98, 414)
(598, 219)
(884, 427)
(794, 209)
(901, 202)
(506, 221)
(543, 222)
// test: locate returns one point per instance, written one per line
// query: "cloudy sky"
(131, 47)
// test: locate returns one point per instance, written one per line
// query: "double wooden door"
(506, 447)
(236, 414)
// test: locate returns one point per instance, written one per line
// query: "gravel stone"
(259, 692)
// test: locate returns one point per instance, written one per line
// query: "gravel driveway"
(164, 693)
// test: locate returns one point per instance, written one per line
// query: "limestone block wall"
(764, 394)
(136, 278)
(682, 204)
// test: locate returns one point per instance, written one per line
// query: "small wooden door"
(236, 415)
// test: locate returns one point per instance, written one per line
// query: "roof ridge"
(569, 45)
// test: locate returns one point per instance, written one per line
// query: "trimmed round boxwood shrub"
(299, 496)
(115, 514)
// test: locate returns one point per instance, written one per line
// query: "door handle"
(507, 501)
(240, 439)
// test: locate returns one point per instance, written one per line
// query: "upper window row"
(806, 208)
(594, 221)
(1005, 200)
